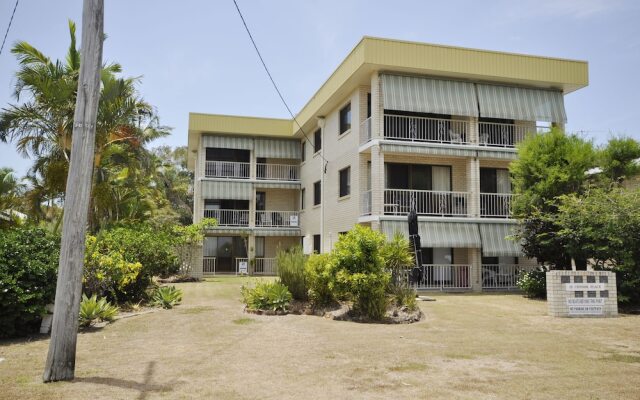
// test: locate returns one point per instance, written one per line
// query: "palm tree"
(42, 125)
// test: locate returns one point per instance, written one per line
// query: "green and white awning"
(228, 142)
(277, 232)
(226, 190)
(524, 104)
(420, 94)
(437, 150)
(438, 234)
(278, 148)
(495, 241)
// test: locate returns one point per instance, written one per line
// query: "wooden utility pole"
(61, 359)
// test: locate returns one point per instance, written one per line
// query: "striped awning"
(437, 149)
(277, 185)
(226, 190)
(228, 142)
(278, 148)
(523, 104)
(495, 242)
(277, 232)
(438, 234)
(419, 94)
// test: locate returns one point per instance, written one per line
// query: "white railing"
(208, 265)
(495, 204)
(226, 169)
(421, 129)
(425, 202)
(502, 135)
(265, 266)
(440, 277)
(278, 172)
(277, 219)
(229, 217)
(365, 203)
(365, 131)
(502, 276)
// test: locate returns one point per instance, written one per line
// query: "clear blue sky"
(195, 55)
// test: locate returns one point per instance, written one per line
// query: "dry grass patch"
(468, 347)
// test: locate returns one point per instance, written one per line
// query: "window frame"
(345, 125)
(317, 237)
(347, 188)
(317, 140)
(317, 193)
(302, 195)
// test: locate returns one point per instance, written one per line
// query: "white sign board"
(293, 220)
(572, 287)
(243, 267)
(586, 306)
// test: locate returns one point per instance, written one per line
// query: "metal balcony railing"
(440, 277)
(278, 172)
(277, 219)
(226, 169)
(495, 205)
(426, 202)
(503, 276)
(229, 217)
(422, 129)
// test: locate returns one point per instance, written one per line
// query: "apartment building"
(397, 126)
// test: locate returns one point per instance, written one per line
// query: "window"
(302, 193)
(345, 118)
(317, 197)
(316, 244)
(368, 105)
(317, 141)
(303, 150)
(259, 246)
(261, 200)
(345, 181)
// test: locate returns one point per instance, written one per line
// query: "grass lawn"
(467, 347)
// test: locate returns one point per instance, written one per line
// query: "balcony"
(277, 219)
(426, 202)
(495, 205)
(423, 129)
(503, 276)
(227, 169)
(278, 172)
(365, 203)
(440, 277)
(501, 135)
(238, 218)
(365, 131)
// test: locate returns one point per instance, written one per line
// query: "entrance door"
(225, 259)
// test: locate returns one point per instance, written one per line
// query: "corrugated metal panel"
(431, 150)
(277, 232)
(521, 103)
(226, 190)
(241, 125)
(228, 142)
(275, 148)
(277, 185)
(495, 242)
(419, 94)
(506, 154)
(438, 234)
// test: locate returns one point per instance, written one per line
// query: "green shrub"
(28, 269)
(267, 296)
(110, 274)
(94, 308)
(405, 296)
(360, 271)
(291, 271)
(320, 279)
(534, 283)
(166, 296)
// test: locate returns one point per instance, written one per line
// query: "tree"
(549, 165)
(11, 189)
(604, 226)
(41, 126)
(620, 159)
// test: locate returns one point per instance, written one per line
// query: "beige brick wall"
(281, 199)
(273, 243)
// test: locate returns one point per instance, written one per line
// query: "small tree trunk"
(61, 359)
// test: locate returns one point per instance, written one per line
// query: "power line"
(9, 27)
(274, 82)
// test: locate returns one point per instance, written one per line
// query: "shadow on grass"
(143, 388)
